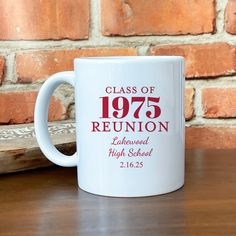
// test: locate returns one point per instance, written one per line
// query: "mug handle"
(41, 119)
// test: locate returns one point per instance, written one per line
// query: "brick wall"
(40, 37)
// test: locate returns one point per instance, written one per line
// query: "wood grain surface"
(19, 149)
(48, 202)
(24, 154)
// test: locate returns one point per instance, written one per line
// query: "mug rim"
(128, 58)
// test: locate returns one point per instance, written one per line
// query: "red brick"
(157, 17)
(38, 65)
(202, 60)
(2, 65)
(189, 101)
(43, 19)
(230, 17)
(210, 137)
(18, 107)
(219, 102)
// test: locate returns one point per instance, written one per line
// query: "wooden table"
(48, 202)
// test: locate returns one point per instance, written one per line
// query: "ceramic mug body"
(129, 124)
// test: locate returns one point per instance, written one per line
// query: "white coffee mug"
(129, 124)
